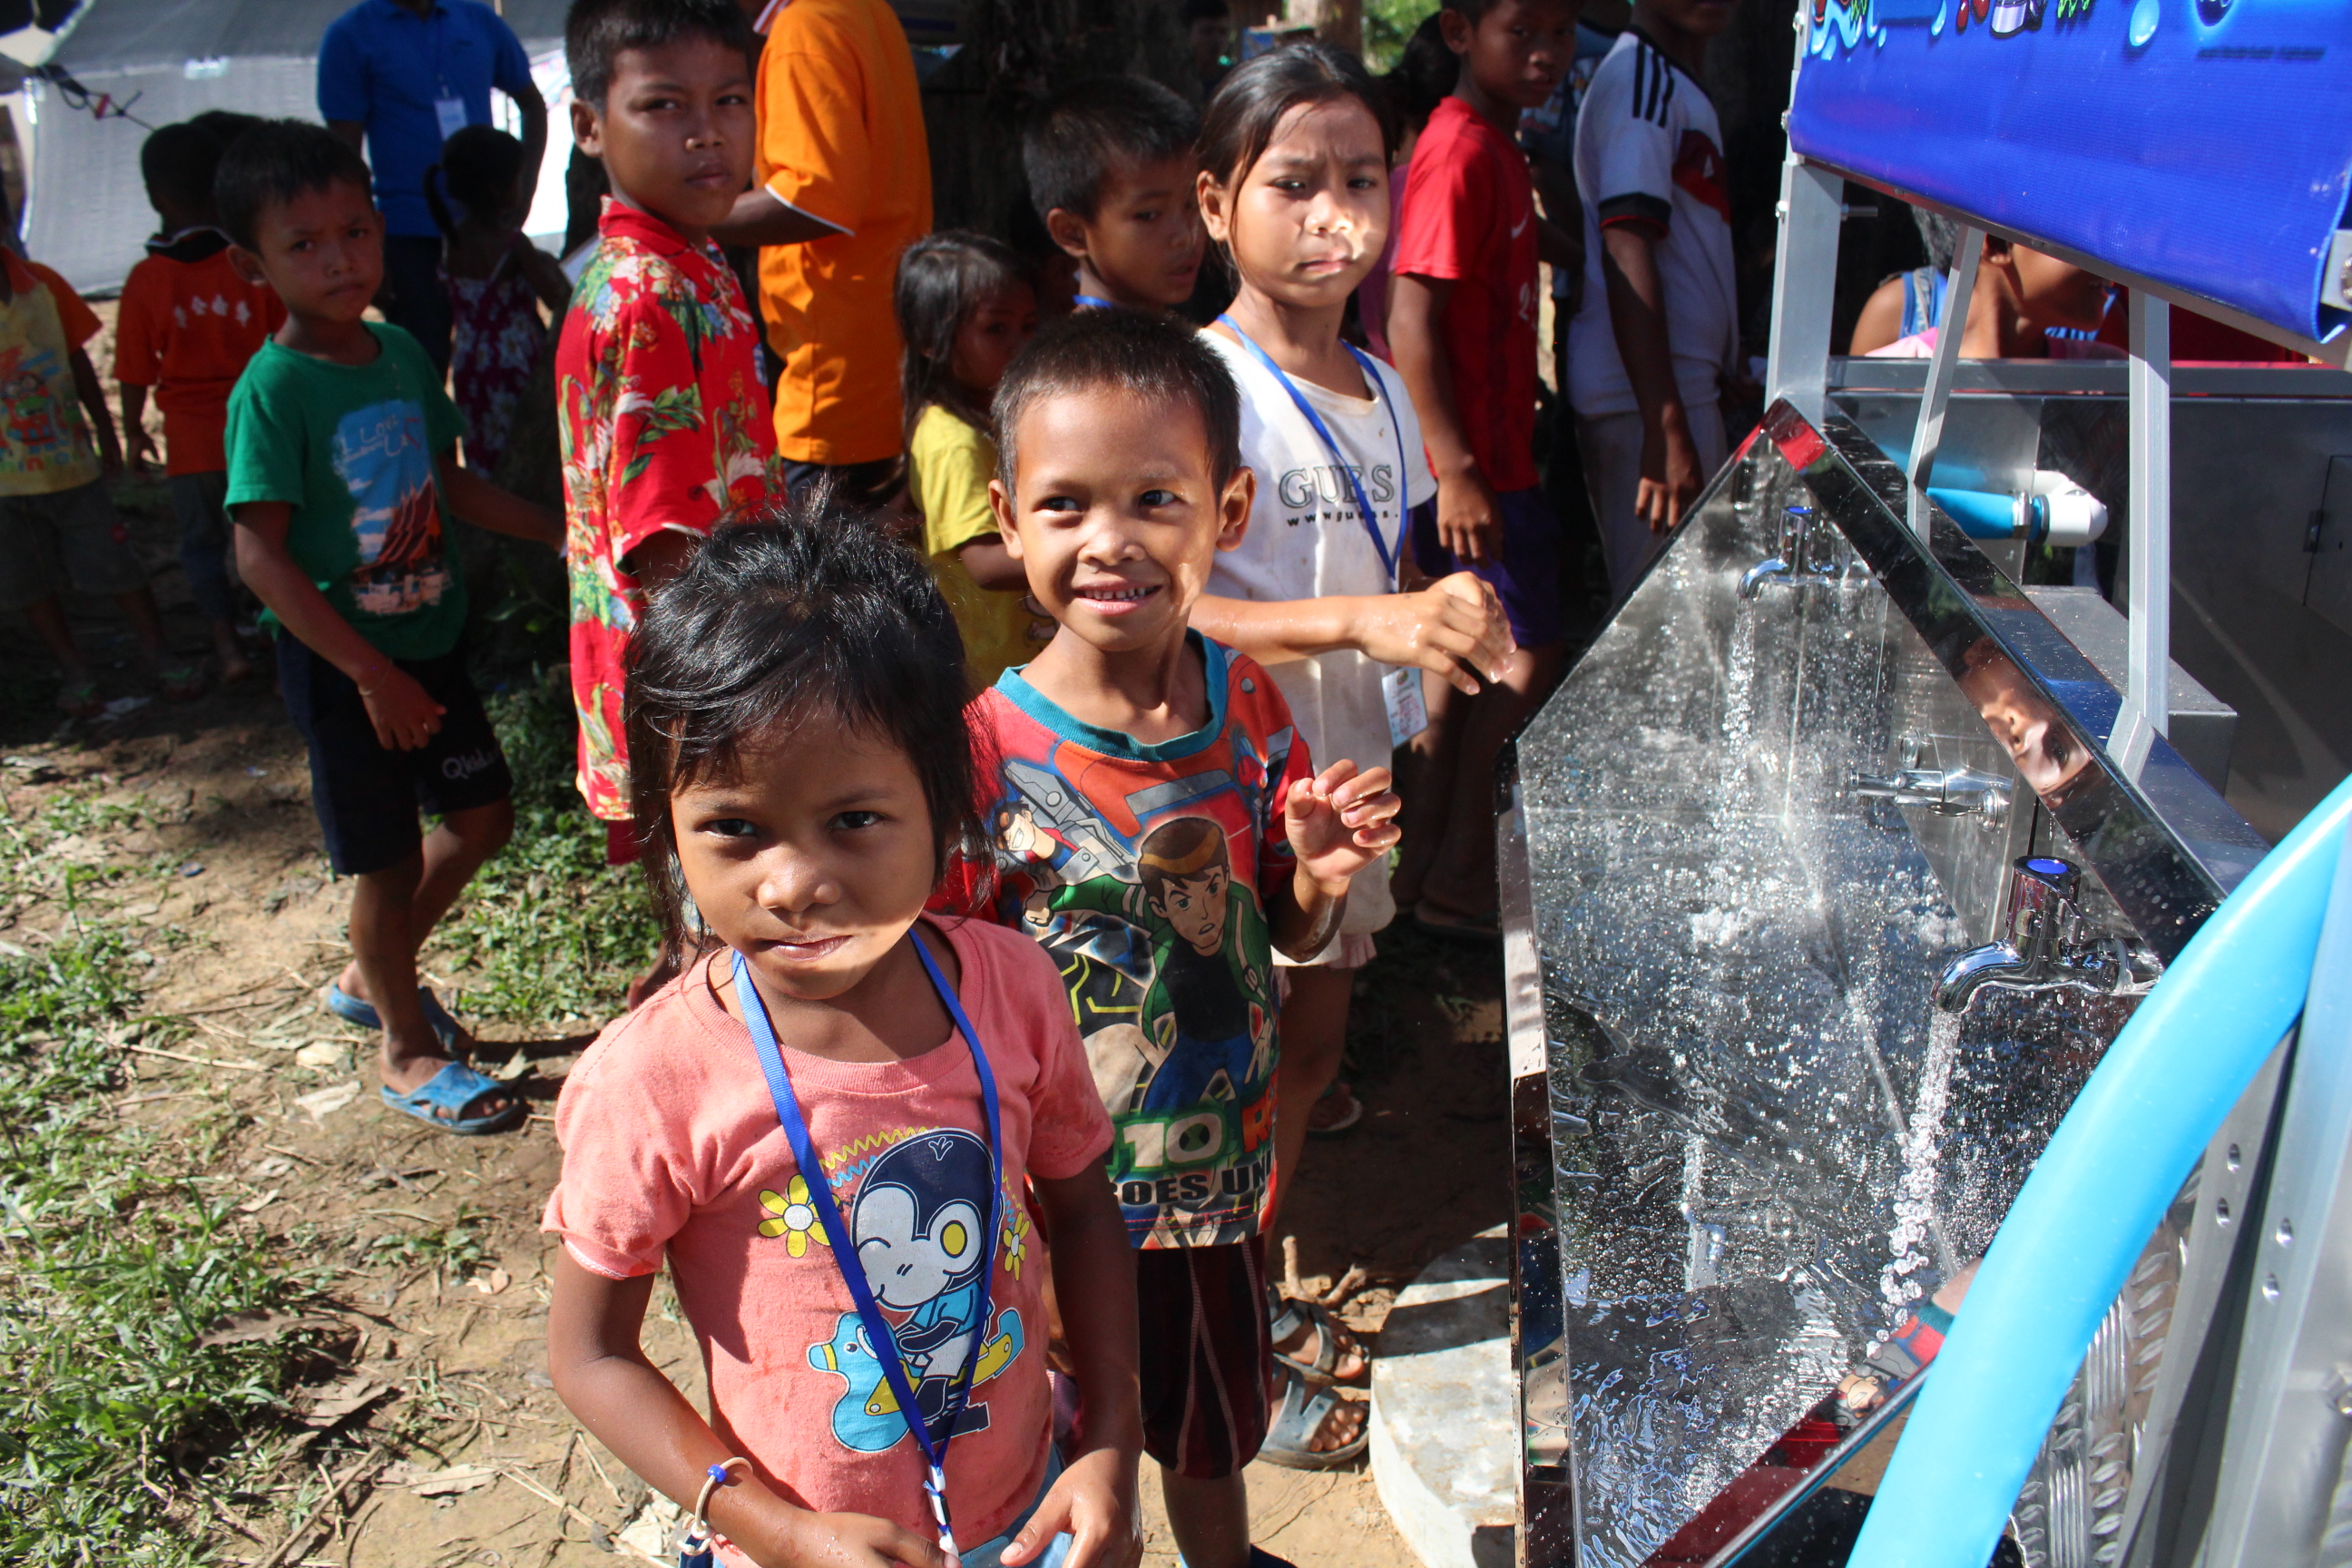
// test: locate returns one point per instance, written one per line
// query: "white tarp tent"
(86, 207)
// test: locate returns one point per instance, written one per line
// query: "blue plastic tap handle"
(2118, 1161)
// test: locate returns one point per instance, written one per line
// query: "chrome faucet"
(1806, 546)
(1947, 792)
(2048, 943)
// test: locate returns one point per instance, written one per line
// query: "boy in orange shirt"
(186, 326)
(845, 186)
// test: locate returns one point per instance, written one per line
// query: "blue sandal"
(1296, 1419)
(351, 1010)
(456, 1087)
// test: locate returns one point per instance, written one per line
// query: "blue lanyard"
(1094, 302)
(845, 1246)
(1355, 482)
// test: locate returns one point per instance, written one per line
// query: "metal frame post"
(1927, 434)
(1804, 272)
(2148, 689)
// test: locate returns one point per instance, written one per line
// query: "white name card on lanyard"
(1401, 694)
(451, 113)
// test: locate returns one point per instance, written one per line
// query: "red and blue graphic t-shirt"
(1143, 869)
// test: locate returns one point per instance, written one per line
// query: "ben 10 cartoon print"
(919, 1220)
(1849, 22)
(1182, 1043)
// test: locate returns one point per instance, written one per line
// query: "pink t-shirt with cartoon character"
(672, 1150)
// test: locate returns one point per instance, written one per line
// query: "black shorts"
(368, 797)
(1208, 1356)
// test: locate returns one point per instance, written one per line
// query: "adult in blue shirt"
(403, 74)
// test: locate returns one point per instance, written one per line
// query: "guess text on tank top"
(1321, 493)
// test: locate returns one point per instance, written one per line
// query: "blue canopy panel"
(2205, 145)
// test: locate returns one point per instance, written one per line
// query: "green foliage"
(547, 931)
(112, 1266)
(1388, 24)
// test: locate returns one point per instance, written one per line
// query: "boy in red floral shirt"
(665, 420)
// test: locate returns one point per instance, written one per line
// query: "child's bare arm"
(1093, 1280)
(403, 716)
(661, 556)
(604, 1378)
(1469, 519)
(992, 566)
(485, 505)
(1339, 822)
(1637, 319)
(544, 274)
(1454, 628)
(102, 419)
(136, 447)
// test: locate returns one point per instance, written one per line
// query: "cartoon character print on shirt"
(1153, 937)
(39, 435)
(383, 459)
(919, 1220)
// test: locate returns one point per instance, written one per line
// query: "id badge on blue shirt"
(451, 113)
(1401, 694)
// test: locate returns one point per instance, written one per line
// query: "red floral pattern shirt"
(665, 425)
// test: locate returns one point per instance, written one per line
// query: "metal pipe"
(2148, 688)
(2116, 1163)
(1928, 433)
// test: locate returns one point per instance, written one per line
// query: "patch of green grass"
(547, 932)
(113, 1264)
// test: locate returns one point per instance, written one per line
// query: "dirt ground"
(249, 928)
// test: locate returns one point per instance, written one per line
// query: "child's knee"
(483, 829)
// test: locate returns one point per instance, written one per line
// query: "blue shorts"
(367, 797)
(1526, 579)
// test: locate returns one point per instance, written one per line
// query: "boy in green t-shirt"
(340, 451)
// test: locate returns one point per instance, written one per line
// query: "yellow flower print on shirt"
(1016, 1237)
(792, 1216)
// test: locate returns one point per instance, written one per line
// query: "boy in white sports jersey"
(1658, 326)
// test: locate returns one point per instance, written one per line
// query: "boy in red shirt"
(187, 324)
(665, 421)
(1461, 322)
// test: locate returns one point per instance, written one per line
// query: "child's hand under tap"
(1455, 627)
(1093, 1501)
(1340, 822)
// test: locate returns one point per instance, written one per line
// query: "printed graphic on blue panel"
(2205, 145)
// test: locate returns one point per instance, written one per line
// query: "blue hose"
(2094, 1197)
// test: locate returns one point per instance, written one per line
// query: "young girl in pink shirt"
(845, 1126)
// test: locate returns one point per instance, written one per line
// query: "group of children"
(1012, 905)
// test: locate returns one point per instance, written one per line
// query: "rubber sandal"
(78, 698)
(1297, 1418)
(1347, 1118)
(1288, 1317)
(351, 1010)
(456, 1085)
(1481, 929)
(182, 682)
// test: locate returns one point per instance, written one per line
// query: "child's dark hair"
(942, 278)
(1151, 357)
(1239, 120)
(1425, 75)
(479, 166)
(804, 612)
(1204, 11)
(596, 31)
(1069, 147)
(274, 161)
(178, 163)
